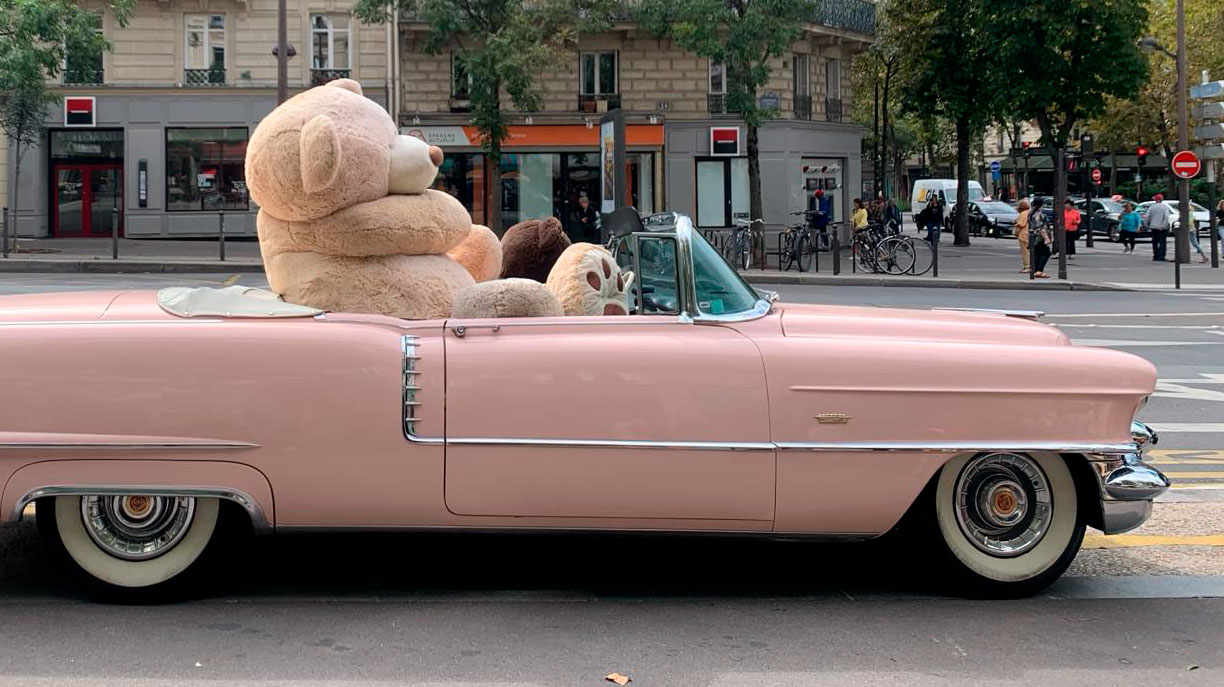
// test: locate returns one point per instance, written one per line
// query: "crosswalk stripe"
(1175, 474)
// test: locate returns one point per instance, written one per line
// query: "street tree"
(747, 37)
(1063, 59)
(874, 95)
(502, 46)
(36, 38)
(945, 73)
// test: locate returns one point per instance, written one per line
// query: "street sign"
(1211, 152)
(995, 167)
(1096, 176)
(1203, 91)
(1209, 111)
(1186, 165)
(1210, 131)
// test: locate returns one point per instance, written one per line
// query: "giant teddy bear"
(347, 221)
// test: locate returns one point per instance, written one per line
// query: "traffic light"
(1141, 152)
(1025, 145)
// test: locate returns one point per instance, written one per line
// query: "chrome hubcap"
(1003, 504)
(136, 527)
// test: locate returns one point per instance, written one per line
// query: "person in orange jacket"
(1071, 225)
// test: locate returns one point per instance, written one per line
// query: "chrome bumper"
(1127, 484)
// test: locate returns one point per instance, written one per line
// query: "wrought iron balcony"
(81, 76)
(858, 16)
(834, 112)
(803, 106)
(599, 103)
(318, 77)
(214, 76)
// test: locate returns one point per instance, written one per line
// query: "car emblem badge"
(833, 418)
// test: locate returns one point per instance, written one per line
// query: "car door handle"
(461, 330)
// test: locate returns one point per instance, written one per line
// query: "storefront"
(546, 171)
(707, 169)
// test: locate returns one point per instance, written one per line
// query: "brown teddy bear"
(346, 222)
(531, 248)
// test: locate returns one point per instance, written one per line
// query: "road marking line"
(1213, 486)
(1126, 541)
(1176, 427)
(233, 279)
(1158, 461)
(1199, 454)
(1122, 343)
(1195, 327)
(1205, 313)
(1174, 474)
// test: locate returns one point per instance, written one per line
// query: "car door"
(633, 418)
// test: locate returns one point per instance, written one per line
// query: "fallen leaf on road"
(1192, 668)
(618, 678)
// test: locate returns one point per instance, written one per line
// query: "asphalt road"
(567, 610)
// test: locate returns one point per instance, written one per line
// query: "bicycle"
(878, 249)
(795, 244)
(737, 250)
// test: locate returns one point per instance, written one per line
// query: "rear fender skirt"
(235, 482)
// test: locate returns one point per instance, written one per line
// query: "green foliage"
(502, 44)
(748, 36)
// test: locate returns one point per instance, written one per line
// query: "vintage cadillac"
(136, 422)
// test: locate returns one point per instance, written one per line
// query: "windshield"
(720, 290)
(1111, 206)
(975, 193)
(995, 207)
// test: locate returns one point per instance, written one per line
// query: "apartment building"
(152, 134)
(674, 105)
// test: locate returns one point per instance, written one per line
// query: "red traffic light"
(1026, 144)
(1141, 151)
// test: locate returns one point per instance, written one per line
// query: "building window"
(329, 42)
(718, 78)
(204, 169)
(803, 86)
(461, 79)
(204, 54)
(833, 103)
(599, 73)
(84, 67)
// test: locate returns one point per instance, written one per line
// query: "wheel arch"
(234, 483)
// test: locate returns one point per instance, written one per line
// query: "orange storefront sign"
(537, 136)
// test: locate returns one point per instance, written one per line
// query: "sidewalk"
(987, 263)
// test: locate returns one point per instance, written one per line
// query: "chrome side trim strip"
(956, 446)
(1024, 314)
(125, 446)
(410, 410)
(616, 443)
(258, 519)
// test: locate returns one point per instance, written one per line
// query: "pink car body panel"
(642, 422)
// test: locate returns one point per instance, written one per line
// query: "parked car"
(712, 408)
(1105, 216)
(1198, 213)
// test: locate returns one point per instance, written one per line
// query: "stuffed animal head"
(587, 281)
(329, 148)
(531, 248)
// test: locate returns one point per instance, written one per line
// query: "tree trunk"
(495, 188)
(962, 182)
(1060, 198)
(885, 158)
(15, 199)
(875, 141)
(755, 209)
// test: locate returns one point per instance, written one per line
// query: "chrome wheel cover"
(136, 527)
(1003, 504)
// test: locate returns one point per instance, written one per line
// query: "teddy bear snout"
(413, 165)
(435, 156)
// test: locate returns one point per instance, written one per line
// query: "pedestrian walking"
(1020, 229)
(821, 220)
(1039, 238)
(858, 218)
(892, 215)
(1220, 219)
(1071, 224)
(930, 219)
(1128, 227)
(1194, 241)
(1158, 221)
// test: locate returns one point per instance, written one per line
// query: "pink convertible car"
(136, 422)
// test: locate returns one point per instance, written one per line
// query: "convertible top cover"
(231, 301)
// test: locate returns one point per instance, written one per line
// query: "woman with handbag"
(1020, 230)
(1039, 238)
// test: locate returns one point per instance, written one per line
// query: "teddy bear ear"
(346, 84)
(319, 153)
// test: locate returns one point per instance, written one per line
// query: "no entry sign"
(1096, 176)
(1186, 165)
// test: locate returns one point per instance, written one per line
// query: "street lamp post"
(282, 53)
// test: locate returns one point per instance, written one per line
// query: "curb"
(20, 266)
(922, 282)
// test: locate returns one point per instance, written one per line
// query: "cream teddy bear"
(346, 222)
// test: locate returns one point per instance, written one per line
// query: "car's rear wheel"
(1005, 524)
(130, 542)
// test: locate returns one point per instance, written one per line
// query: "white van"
(944, 190)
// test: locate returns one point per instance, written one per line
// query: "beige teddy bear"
(587, 281)
(346, 222)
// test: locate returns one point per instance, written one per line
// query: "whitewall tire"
(1009, 523)
(134, 542)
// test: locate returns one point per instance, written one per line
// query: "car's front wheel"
(129, 542)
(1005, 524)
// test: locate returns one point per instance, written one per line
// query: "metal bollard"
(815, 254)
(221, 233)
(114, 233)
(1177, 258)
(935, 256)
(835, 247)
(6, 232)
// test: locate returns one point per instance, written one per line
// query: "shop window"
(204, 54)
(329, 47)
(87, 144)
(722, 191)
(84, 67)
(204, 169)
(462, 176)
